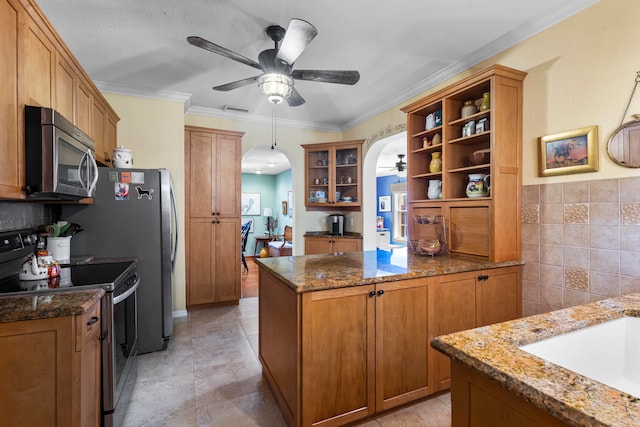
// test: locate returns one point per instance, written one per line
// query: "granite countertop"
(573, 398)
(47, 305)
(347, 235)
(318, 272)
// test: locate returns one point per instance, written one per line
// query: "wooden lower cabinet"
(214, 276)
(336, 356)
(330, 244)
(477, 400)
(51, 374)
(469, 300)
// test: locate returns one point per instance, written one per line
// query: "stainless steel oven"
(120, 280)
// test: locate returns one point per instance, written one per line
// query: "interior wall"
(265, 185)
(154, 131)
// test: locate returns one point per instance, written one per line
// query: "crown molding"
(120, 89)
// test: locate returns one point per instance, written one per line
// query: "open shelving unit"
(486, 227)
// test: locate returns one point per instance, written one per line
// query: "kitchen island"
(518, 388)
(345, 336)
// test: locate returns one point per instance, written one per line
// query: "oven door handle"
(127, 293)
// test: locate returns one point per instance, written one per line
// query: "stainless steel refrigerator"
(134, 215)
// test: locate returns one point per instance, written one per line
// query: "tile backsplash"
(16, 215)
(580, 242)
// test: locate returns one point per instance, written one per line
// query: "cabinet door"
(64, 88)
(110, 138)
(37, 66)
(201, 158)
(498, 296)
(227, 259)
(43, 376)
(338, 356)
(11, 145)
(402, 373)
(98, 124)
(83, 106)
(317, 245)
(214, 260)
(227, 175)
(452, 309)
(90, 358)
(346, 245)
(346, 175)
(318, 179)
(201, 256)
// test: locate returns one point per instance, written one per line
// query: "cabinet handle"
(483, 277)
(380, 292)
(372, 293)
(93, 321)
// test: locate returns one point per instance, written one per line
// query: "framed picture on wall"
(285, 208)
(384, 204)
(290, 203)
(250, 204)
(575, 151)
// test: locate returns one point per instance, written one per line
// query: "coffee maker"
(336, 225)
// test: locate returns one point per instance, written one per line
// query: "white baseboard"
(180, 313)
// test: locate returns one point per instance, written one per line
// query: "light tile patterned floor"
(210, 376)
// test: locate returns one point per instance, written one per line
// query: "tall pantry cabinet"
(213, 189)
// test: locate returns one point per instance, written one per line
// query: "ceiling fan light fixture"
(276, 86)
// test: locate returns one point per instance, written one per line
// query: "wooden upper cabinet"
(37, 66)
(98, 123)
(214, 162)
(11, 172)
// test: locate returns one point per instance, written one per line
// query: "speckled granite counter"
(347, 235)
(47, 305)
(319, 272)
(573, 398)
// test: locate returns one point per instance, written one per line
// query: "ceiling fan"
(400, 166)
(277, 78)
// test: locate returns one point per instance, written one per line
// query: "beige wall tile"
(551, 275)
(576, 279)
(551, 234)
(531, 195)
(572, 298)
(604, 214)
(575, 257)
(604, 284)
(576, 213)
(630, 263)
(605, 237)
(530, 214)
(531, 234)
(629, 285)
(605, 261)
(530, 253)
(630, 214)
(575, 192)
(604, 190)
(551, 296)
(629, 189)
(531, 272)
(551, 193)
(530, 308)
(531, 291)
(576, 235)
(552, 213)
(630, 238)
(551, 254)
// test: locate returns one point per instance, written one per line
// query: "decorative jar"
(486, 101)
(436, 162)
(468, 109)
(478, 185)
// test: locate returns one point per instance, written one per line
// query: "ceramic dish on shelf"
(347, 199)
(321, 200)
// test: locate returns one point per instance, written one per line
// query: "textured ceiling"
(400, 49)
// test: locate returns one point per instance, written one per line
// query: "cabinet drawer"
(88, 325)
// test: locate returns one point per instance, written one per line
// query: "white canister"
(122, 157)
(59, 248)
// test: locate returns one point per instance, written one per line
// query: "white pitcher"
(435, 189)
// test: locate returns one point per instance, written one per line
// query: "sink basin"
(608, 352)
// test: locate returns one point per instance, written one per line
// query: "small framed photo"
(570, 152)
(384, 204)
(285, 207)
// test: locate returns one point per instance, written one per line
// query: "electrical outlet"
(350, 222)
(324, 221)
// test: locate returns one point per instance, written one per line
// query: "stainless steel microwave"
(60, 158)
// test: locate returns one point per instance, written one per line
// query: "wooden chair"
(282, 247)
(244, 233)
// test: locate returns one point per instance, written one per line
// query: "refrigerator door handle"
(174, 208)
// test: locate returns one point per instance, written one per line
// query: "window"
(399, 193)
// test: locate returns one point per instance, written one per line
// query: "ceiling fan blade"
(294, 99)
(236, 84)
(299, 34)
(344, 77)
(212, 47)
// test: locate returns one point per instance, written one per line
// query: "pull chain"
(630, 98)
(273, 128)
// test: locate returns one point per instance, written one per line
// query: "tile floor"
(210, 376)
